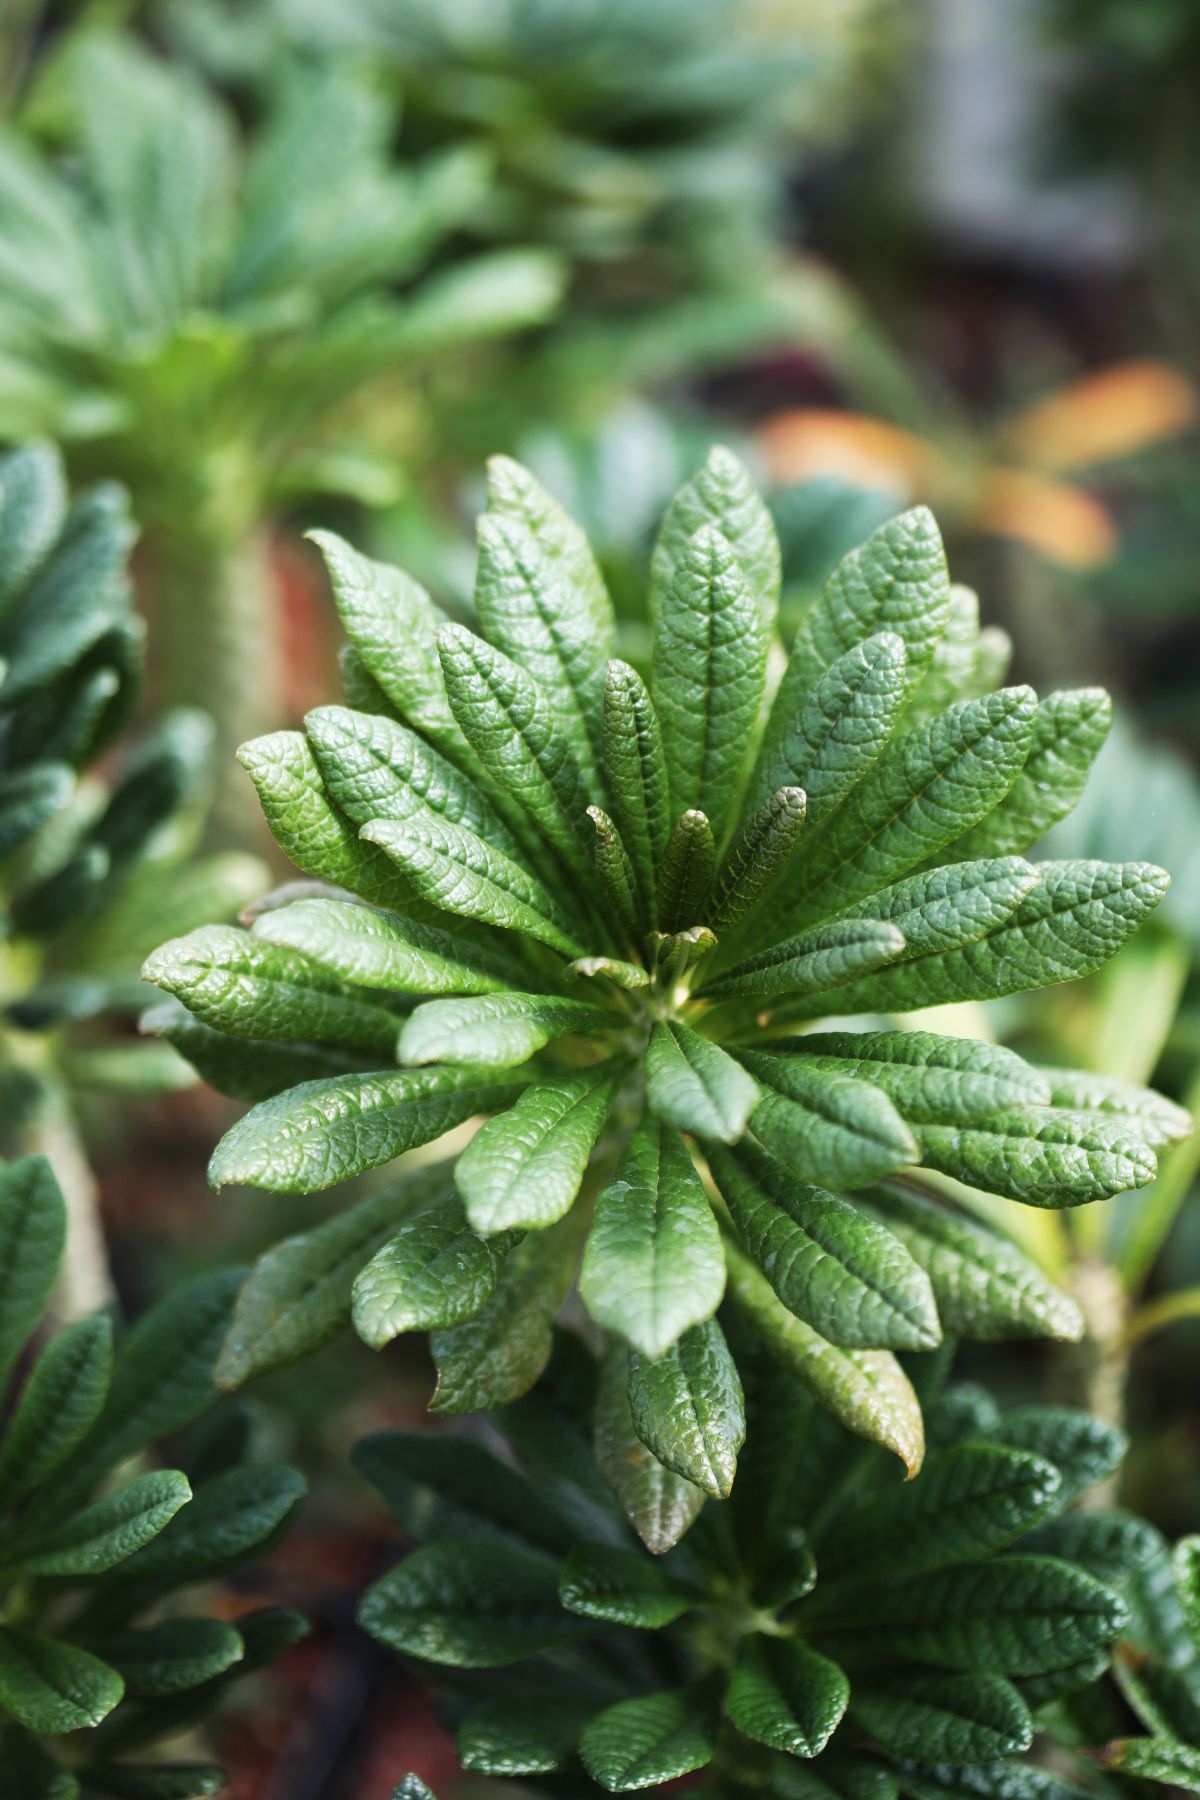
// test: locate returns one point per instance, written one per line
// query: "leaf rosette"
(668, 936)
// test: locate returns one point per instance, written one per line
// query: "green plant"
(94, 833)
(204, 318)
(1157, 1670)
(98, 1659)
(603, 913)
(830, 1630)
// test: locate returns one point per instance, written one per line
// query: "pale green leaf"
(433, 1272)
(523, 1169)
(721, 495)
(694, 1084)
(832, 1130)
(370, 948)
(1042, 1156)
(495, 1030)
(929, 1079)
(635, 770)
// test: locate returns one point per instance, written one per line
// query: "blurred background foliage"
(274, 264)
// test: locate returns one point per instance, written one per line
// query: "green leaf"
(631, 978)
(250, 988)
(33, 506)
(28, 797)
(107, 1531)
(644, 1742)
(155, 1781)
(1075, 919)
(173, 1655)
(832, 1267)
(635, 770)
(434, 1272)
(495, 1030)
(536, 614)
(688, 1408)
(817, 961)
(984, 1288)
(323, 1132)
(309, 829)
(1155, 1759)
(866, 1390)
(1068, 732)
(659, 1504)
(600, 1581)
(1040, 1156)
(692, 1083)
(897, 583)
(653, 1264)
(929, 1079)
(413, 1788)
(784, 1694)
(944, 1718)
(162, 1378)
(1151, 1117)
(52, 1687)
(60, 1400)
(926, 788)
(74, 599)
(373, 767)
(971, 1501)
(840, 1775)
(721, 495)
(756, 858)
(1017, 1615)
(688, 866)
(1083, 1449)
(831, 1130)
(512, 728)
(246, 1068)
(33, 1229)
(229, 1518)
(298, 1294)
(1109, 1545)
(523, 1169)
(464, 1605)
(512, 492)
(442, 1486)
(951, 907)
(393, 624)
(837, 729)
(618, 883)
(497, 1355)
(1185, 1566)
(463, 874)
(373, 949)
(521, 1737)
(710, 660)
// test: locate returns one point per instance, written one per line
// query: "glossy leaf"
(784, 1694)
(494, 1030)
(524, 1168)
(694, 1084)
(432, 1273)
(643, 1742)
(688, 1408)
(659, 1504)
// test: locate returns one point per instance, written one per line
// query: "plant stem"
(1103, 1357)
(84, 1282)
(1169, 1309)
(216, 645)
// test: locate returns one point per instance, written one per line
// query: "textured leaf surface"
(653, 1265)
(601, 1581)
(454, 869)
(1041, 1156)
(636, 771)
(1082, 1448)
(694, 1084)
(1109, 1545)
(104, 1533)
(787, 1695)
(495, 1030)
(59, 1401)
(689, 1410)
(641, 1743)
(926, 788)
(33, 1229)
(1078, 915)
(930, 1079)
(951, 1719)
(813, 962)
(1068, 732)
(464, 1605)
(521, 1737)
(298, 1295)
(53, 1687)
(375, 949)
(971, 1500)
(757, 858)
(228, 1519)
(828, 1264)
(325, 1131)
(524, 1168)
(984, 1288)
(240, 984)
(866, 1390)
(443, 1485)
(434, 1272)
(710, 656)
(838, 729)
(173, 1655)
(1147, 1115)
(1156, 1759)
(723, 496)
(659, 1504)
(831, 1130)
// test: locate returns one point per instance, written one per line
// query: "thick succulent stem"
(215, 643)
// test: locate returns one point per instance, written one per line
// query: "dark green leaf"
(786, 1695)
(467, 1606)
(53, 1687)
(640, 1743)
(106, 1532)
(688, 1408)
(601, 1581)
(33, 1229)
(951, 1719)
(227, 1520)
(636, 772)
(434, 1272)
(659, 1504)
(831, 1130)
(58, 1403)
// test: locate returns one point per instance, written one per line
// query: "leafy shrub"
(1157, 1668)
(608, 915)
(98, 1660)
(832, 1630)
(91, 856)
